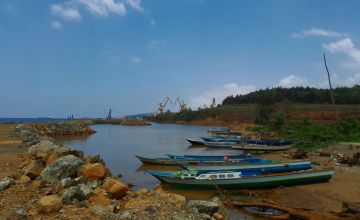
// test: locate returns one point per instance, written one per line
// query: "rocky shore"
(116, 121)
(49, 181)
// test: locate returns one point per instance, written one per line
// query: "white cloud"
(152, 22)
(103, 8)
(135, 59)
(353, 80)
(56, 25)
(67, 13)
(318, 32)
(219, 93)
(346, 46)
(293, 81)
(336, 81)
(135, 4)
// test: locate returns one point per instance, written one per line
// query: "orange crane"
(162, 105)
(182, 104)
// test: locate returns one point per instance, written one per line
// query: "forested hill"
(343, 95)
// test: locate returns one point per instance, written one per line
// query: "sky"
(83, 57)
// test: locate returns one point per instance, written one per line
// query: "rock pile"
(62, 128)
(66, 184)
(64, 175)
(351, 161)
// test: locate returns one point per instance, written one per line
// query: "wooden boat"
(176, 162)
(268, 142)
(266, 212)
(219, 144)
(224, 131)
(195, 142)
(275, 166)
(222, 139)
(206, 157)
(261, 148)
(223, 180)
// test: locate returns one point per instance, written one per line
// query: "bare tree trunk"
(331, 89)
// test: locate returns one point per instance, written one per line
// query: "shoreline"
(41, 179)
(323, 200)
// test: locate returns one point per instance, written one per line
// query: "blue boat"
(275, 166)
(209, 157)
(176, 162)
(269, 142)
(219, 144)
(222, 139)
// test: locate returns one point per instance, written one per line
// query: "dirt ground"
(323, 197)
(9, 150)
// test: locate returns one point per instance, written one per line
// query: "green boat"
(240, 180)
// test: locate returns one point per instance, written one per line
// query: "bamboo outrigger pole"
(331, 89)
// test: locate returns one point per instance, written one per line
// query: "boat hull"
(219, 144)
(261, 148)
(207, 157)
(268, 142)
(233, 140)
(266, 181)
(195, 142)
(177, 162)
(270, 167)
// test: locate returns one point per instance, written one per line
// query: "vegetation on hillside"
(306, 134)
(342, 95)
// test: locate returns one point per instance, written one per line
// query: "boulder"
(102, 210)
(34, 168)
(79, 180)
(299, 154)
(205, 216)
(51, 203)
(23, 179)
(115, 188)
(63, 151)
(61, 168)
(94, 184)
(351, 207)
(42, 149)
(6, 182)
(100, 199)
(66, 182)
(76, 193)
(202, 206)
(218, 216)
(94, 159)
(93, 171)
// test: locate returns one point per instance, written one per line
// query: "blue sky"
(85, 56)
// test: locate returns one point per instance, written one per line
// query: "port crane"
(182, 104)
(162, 105)
(109, 114)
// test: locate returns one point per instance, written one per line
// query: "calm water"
(23, 120)
(118, 146)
